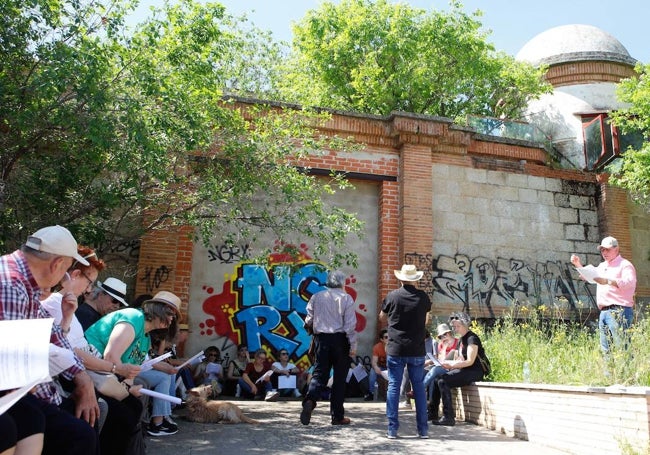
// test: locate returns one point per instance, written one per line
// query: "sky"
(512, 22)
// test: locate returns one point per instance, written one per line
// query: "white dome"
(570, 43)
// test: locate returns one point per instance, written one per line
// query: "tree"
(633, 170)
(375, 57)
(114, 133)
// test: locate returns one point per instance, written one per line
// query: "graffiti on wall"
(265, 305)
(155, 277)
(229, 254)
(501, 282)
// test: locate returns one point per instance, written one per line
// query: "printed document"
(588, 272)
(24, 357)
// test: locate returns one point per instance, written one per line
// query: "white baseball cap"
(56, 240)
(608, 242)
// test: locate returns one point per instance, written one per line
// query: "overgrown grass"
(561, 352)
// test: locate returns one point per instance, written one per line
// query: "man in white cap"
(406, 310)
(108, 296)
(616, 284)
(40, 264)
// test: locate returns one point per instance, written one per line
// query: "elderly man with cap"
(616, 280)
(406, 310)
(40, 264)
(107, 297)
(123, 337)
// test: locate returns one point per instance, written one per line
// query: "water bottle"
(526, 372)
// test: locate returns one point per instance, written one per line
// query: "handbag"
(108, 385)
(485, 364)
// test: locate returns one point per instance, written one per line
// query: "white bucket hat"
(409, 273)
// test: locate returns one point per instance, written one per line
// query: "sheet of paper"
(349, 376)
(384, 374)
(588, 272)
(264, 376)
(148, 364)
(433, 358)
(24, 352)
(213, 368)
(287, 382)
(162, 396)
(195, 358)
(359, 372)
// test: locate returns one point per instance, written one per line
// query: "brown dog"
(204, 411)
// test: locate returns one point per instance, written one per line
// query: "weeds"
(562, 352)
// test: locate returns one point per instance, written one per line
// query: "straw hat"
(170, 299)
(442, 329)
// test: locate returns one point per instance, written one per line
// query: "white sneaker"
(272, 396)
(238, 391)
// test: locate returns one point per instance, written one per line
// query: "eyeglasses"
(284, 353)
(90, 282)
(454, 318)
(385, 337)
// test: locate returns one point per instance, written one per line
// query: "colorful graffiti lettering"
(265, 306)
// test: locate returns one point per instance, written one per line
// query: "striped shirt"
(19, 294)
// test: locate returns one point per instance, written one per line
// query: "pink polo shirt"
(623, 272)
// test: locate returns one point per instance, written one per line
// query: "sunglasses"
(385, 337)
(284, 353)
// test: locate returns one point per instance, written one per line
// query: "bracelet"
(114, 369)
(65, 331)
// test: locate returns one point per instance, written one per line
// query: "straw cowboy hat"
(408, 273)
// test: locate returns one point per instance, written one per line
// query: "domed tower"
(584, 65)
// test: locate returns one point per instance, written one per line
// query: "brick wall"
(402, 154)
(579, 420)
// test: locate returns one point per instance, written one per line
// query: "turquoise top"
(99, 333)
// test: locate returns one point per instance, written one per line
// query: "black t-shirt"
(472, 338)
(407, 308)
(87, 315)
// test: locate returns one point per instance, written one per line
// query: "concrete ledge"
(582, 420)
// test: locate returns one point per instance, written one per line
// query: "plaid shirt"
(19, 294)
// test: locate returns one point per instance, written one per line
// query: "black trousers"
(456, 378)
(332, 353)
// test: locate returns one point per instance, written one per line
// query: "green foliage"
(633, 171)
(375, 56)
(103, 129)
(561, 352)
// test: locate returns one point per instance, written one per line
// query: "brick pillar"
(614, 216)
(388, 233)
(415, 203)
(165, 264)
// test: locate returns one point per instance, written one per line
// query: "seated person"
(444, 349)
(255, 382)
(356, 387)
(235, 371)
(378, 365)
(285, 368)
(210, 371)
(462, 371)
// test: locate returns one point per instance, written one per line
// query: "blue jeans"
(415, 368)
(262, 388)
(431, 379)
(614, 323)
(163, 383)
(372, 380)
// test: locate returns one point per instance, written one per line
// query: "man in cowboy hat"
(108, 296)
(406, 310)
